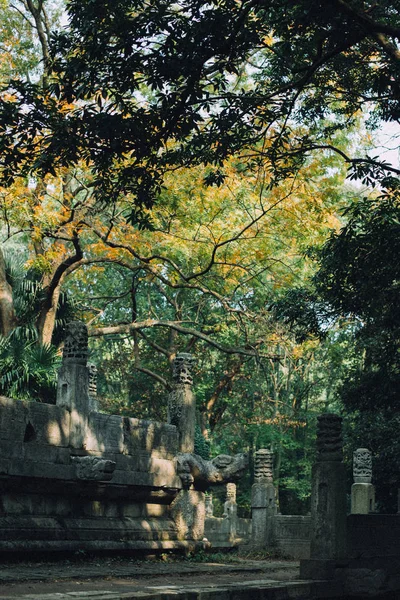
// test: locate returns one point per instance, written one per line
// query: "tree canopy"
(136, 88)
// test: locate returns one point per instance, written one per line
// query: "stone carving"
(94, 468)
(182, 368)
(92, 370)
(230, 507)
(263, 465)
(76, 343)
(182, 403)
(231, 492)
(329, 438)
(175, 407)
(209, 505)
(362, 466)
(192, 469)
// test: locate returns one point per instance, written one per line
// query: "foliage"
(201, 445)
(353, 302)
(358, 276)
(27, 370)
(138, 88)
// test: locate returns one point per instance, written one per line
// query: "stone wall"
(222, 533)
(292, 535)
(73, 478)
(373, 535)
(115, 491)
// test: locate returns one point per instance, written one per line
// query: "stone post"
(188, 509)
(93, 404)
(182, 403)
(328, 502)
(362, 490)
(73, 381)
(263, 500)
(230, 510)
(209, 506)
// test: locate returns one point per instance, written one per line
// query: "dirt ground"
(115, 574)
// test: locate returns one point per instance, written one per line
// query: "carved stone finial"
(76, 343)
(329, 438)
(362, 466)
(263, 465)
(182, 368)
(231, 492)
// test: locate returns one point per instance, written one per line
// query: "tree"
(353, 299)
(157, 85)
(358, 276)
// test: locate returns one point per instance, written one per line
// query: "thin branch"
(155, 376)
(153, 344)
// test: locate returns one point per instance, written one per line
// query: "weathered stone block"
(364, 582)
(13, 419)
(93, 468)
(313, 568)
(51, 424)
(130, 509)
(263, 495)
(8, 449)
(46, 454)
(136, 478)
(362, 498)
(31, 422)
(29, 468)
(328, 510)
(156, 510)
(150, 436)
(263, 512)
(373, 535)
(4, 466)
(104, 433)
(188, 513)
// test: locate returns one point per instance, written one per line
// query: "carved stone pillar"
(230, 511)
(362, 490)
(263, 500)
(73, 381)
(93, 404)
(182, 403)
(209, 505)
(188, 509)
(328, 502)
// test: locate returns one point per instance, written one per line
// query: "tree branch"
(174, 325)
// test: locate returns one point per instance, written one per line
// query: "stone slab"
(254, 590)
(317, 569)
(42, 470)
(33, 422)
(129, 436)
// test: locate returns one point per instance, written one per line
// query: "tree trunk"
(8, 319)
(47, 317)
